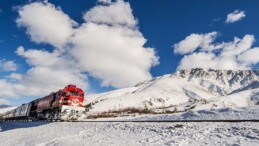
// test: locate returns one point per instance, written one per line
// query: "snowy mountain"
(195, 89)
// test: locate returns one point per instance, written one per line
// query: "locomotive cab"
(72, 105)
(73, 96)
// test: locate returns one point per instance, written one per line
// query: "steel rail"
(170, 121)
(145, 121)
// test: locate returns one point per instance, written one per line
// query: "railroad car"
(65, 104)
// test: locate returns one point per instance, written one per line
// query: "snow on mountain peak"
(222, 81)
(218, 74)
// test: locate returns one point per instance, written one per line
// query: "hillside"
(185, 90)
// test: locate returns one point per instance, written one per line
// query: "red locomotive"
(65, 104)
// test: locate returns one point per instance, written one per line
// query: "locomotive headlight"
(73, 111)
(67, 110)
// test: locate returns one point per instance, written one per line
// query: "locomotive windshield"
(76, 93)
(73, 93)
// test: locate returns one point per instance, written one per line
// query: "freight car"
(65, 104)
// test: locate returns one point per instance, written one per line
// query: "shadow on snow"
(8, 125)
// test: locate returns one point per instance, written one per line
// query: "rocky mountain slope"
(185, 90)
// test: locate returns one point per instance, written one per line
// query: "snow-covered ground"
(250, 113)
(131, 134)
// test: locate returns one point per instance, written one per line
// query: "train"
(65, 104)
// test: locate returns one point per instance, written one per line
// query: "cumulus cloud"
(238, 46)
(119, 59)
(15, 76)
(107, 46)
(38, 57)
(235, 16)
(117, 13)
(237, 54)
(114, 46)
(105, 1)
(250, 56)
(194, 41)
(49, 71)
(46, 23)
(7, 65)
(10, 88)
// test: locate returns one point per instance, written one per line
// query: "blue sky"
(169, 34)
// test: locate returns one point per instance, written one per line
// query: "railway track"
(154, 121)
(177, 121)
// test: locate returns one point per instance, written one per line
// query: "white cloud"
(10, 89)
(35, 57)
(235, 16)
(250, 57)
(237, 54)
(46, 23)
(15, 76)
(117, 13)
(194, 41)
(118, 59)
(50, 70)
(7, 65)
(201, 60)
(114, 51)
(238, 46)
(105, 1)
(208, 60)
